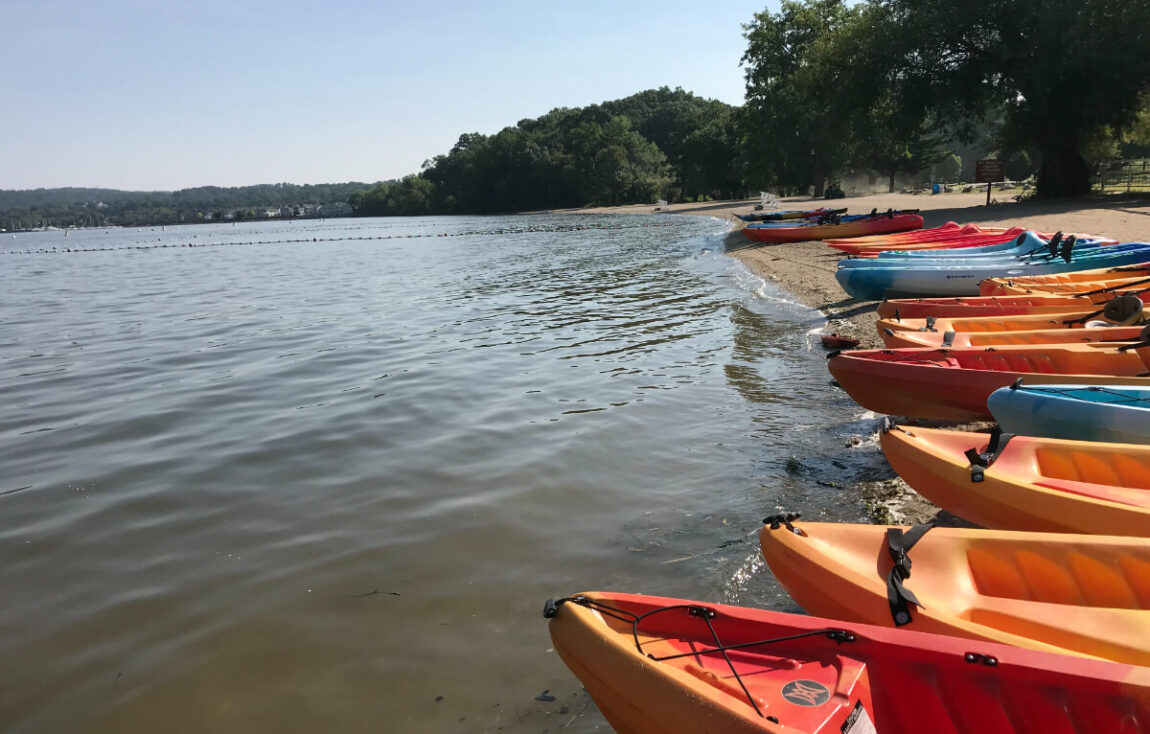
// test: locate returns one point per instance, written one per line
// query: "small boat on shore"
(671, 666)
(1112, 413)
(994, 286)
(785, 215)
(954, 384)
(970, 306)
(1074, 594)
(1019, 482)
(935, 339)
(819, 229)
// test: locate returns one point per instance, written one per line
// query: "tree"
(1058, 69)
(799, 112)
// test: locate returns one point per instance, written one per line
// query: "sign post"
(989, 171)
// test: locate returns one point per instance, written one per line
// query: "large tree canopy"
(1059, 70)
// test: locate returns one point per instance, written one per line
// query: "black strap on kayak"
(786, 518)
(1055, 241)
(980, 461)
(899, 597)
(948, 339)
(551, 608)
(1068, 247)
(929, 324)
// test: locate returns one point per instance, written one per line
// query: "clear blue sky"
(148, 94)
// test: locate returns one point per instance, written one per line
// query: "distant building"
(338, 209)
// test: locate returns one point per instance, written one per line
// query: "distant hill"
(63, 207)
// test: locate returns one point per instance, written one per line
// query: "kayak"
(935, 339)
(948, 236)
(654, 664)
(964, 306)
(954, 384)
(1111, 285)
(1112, 413)
(1127, 310)
(792, 214)
(845, 227)
(1081, 594)
(1028, 246)
(1027, 483)
(884, 280)
(1134, 270)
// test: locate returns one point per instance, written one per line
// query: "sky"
(170, 94)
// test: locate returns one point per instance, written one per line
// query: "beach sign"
(989, 171)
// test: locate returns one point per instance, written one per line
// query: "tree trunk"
(820, 181)
(890, 187)
(1062, 173)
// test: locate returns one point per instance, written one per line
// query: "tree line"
(95, 207)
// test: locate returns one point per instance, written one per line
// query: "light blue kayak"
(1114, 413)
(1027, 248)
(933, 280)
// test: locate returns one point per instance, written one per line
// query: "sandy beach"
(807, 270)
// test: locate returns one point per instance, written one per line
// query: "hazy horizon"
(127, 95)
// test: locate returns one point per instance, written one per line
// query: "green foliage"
(601, 154)
(948, 168)
(1057, 70)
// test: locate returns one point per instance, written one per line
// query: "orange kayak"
(962, 306)
(1081, 594)
(1043, 484)
(1125, 310)
(991, 286)
(935, 339)
(953, 384)
(669, 666)
(1110, 285)
(938, 238)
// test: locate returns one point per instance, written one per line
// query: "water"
(321, 476)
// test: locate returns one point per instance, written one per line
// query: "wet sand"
(807, 271)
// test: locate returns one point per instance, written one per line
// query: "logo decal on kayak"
(806, 693)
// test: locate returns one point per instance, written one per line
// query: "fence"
(1123, 177)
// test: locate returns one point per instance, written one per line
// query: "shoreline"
(806, 270)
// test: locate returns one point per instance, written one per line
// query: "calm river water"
(321, 476)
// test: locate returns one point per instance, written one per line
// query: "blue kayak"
(1113, 413)
(1085, 249)
(932, 279)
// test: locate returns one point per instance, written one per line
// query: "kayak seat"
(1116, 469)
(1075, 578)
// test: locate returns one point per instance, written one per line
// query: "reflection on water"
(321, 476)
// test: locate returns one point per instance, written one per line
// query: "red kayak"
(964, 306)
(970, 235)
(852, 226)
(953, 384)
(673, 666)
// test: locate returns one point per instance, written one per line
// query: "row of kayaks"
(952, 261)
(1038, 623)
(821, 224)
(925, 629)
